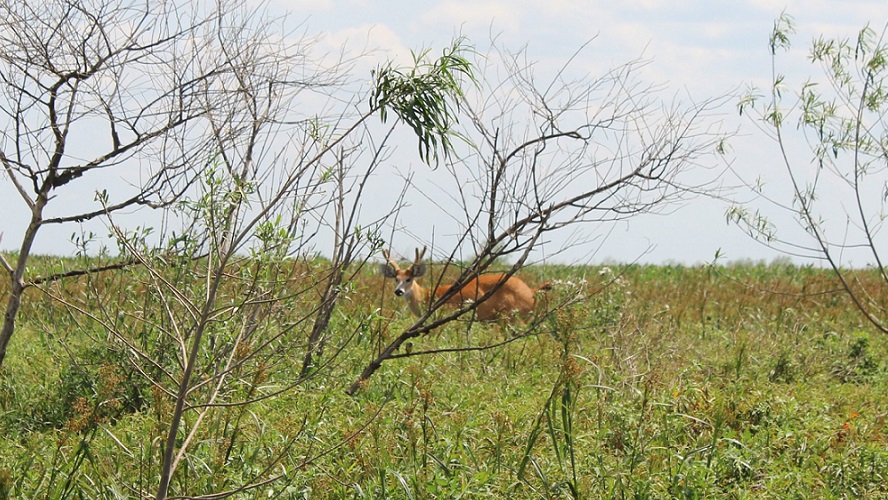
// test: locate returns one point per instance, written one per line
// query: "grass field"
(742, 381)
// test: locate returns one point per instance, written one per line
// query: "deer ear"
(419, 269)
(388, 270)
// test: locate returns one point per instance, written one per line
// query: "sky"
(700, 49)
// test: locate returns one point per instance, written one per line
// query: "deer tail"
(545, 287)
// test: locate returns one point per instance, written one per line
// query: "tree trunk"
(16, 277)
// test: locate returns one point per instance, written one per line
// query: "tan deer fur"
(513, 297)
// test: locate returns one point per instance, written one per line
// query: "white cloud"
(371, 38)
(303, 6)
(473, 15)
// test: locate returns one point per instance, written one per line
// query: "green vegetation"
(742, 381)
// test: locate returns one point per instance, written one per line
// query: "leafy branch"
(426, 97)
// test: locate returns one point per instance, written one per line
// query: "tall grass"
(666, 381)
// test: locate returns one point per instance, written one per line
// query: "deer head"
(405, 279)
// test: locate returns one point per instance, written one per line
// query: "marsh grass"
(694, 382)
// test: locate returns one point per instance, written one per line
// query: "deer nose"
(399, 292)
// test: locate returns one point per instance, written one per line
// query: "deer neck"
(417, 298)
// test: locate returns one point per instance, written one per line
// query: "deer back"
(513, 296)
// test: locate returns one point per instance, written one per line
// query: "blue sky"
(699, 44)
(699, 49)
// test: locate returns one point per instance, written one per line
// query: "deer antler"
(419, 255)
(388, 257)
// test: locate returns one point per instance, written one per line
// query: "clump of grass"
(858, 363)
(91, 389)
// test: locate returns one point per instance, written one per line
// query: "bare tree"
(830, 136)
(549, 156)
(223, 303)
(109, 97)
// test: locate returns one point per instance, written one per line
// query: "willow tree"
(831, 144)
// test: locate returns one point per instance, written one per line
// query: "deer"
(512, 298)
